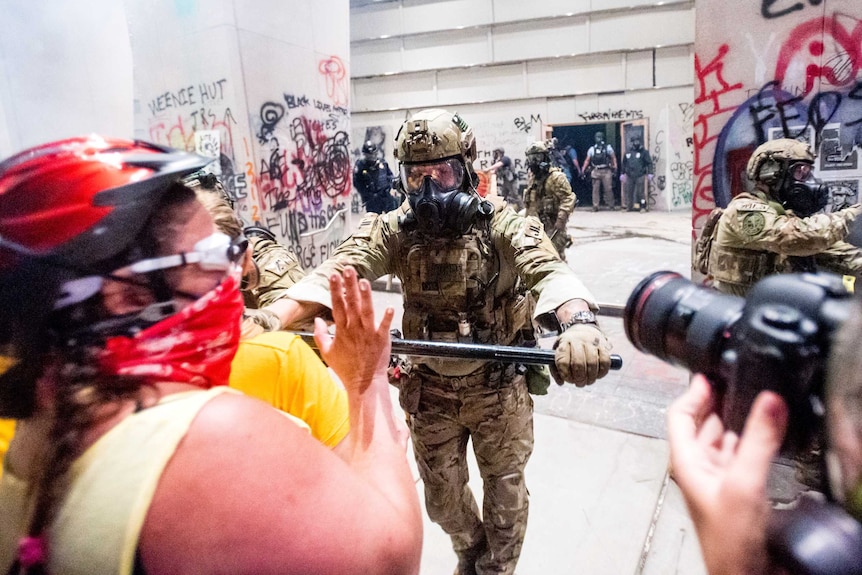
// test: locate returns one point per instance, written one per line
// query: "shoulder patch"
(366, 227)
(753, 223)
(749, 206)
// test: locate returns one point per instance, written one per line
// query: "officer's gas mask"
(436, 193)
(538, 164)
(599, 138)
(636, 144)
(800, 191)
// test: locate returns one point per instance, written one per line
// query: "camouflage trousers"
(497, 414)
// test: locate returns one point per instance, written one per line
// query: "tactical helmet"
(436, 150)
(536, 148)
(500, 151)
(369, 147)
(771, 158)
(435, 134)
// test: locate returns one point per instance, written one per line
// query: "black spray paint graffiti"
(318, 168)
(769, 11)
(192, 95)
(525, 125)
(294, 223)
(612, 115)
(771, 103)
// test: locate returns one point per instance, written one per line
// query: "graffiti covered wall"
(265, 93)
(776, 68)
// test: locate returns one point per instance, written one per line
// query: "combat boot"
(468, 557)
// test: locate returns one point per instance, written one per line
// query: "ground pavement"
(601, 501)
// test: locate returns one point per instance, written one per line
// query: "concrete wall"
(65, 70)
(776, 68)
(263, 87)
(515, 69)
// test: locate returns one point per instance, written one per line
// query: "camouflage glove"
(581, 356)
(560, 224)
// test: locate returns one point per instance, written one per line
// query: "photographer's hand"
(723, 477)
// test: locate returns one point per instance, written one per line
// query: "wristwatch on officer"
(582, 316)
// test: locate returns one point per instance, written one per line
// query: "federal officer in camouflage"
(775, 228)
(549, 196)
(269, 267)
(465, 268)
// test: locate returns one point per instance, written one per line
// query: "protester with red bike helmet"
(119, 317)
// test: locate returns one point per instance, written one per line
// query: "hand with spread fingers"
(581, 355)
(360, 350)
(723, 477)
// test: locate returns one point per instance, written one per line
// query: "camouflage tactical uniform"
(464, 289)
(278, 269)
(755, 237)
(550, 198)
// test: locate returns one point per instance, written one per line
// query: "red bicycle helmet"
(83, 200)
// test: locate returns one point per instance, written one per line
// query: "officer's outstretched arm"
(794, 236)
(582, 351)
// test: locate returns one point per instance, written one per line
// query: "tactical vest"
(448, 292)
(539, 202)
(600, 158)
(739, 267)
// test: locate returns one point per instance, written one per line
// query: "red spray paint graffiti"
(714, 99)
(807, 46)
(334, 71)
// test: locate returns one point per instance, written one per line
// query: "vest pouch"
(538, 379)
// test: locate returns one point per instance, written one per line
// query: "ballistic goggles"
(800, 171)
(447, 174)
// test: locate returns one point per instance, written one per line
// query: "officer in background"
(637, 166)
(372, 178)
(549, 196)
(507, 179)
(775, 228)
(461, 262)
(559, 159)
(601, 164)
(269, 267)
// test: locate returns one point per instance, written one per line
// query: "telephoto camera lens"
(675, 320)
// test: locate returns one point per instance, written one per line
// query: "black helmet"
(369, 148)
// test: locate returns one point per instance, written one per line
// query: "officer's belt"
(491, 375)
(602, 166)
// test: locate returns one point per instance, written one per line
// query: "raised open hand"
(361, 347)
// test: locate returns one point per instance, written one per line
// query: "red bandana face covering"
(193, 346)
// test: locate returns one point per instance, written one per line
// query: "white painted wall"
(264, 87)
(502, 62)
(64, 71)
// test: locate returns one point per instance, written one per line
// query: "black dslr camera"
(778, 339)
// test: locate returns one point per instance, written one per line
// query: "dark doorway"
(581, 137)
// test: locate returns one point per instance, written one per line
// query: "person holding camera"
(775, 228)
(773, 371)
(723, 477)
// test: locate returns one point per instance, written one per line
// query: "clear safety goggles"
(447, 174)
(800, 171)
(217, 252)
(213, 253)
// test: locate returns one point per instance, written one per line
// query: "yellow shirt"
(7, 430)
(279, 368)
